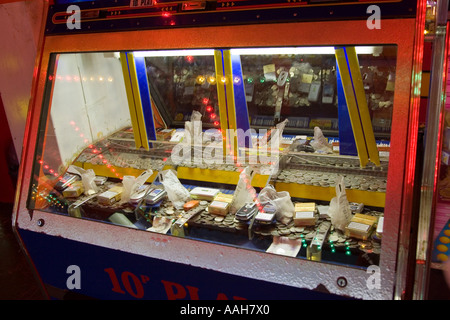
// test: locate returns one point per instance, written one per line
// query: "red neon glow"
(209, 108)
(216, 123)
(95, 150)
(189, 59)
(212, 115)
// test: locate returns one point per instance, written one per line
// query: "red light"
(205, 100)
(216, 123)
(212, 116)
(209, 108)
(166, 14)
(41, 161)
(189, 59)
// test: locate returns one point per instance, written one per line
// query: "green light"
(250, 80)
(305, 245)
(262, 80)
(333, 250)
(348, 253)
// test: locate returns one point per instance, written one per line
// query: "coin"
(333, 237)
(309, 236)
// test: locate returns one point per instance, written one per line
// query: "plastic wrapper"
(176, 192)
(276, 135)
(193, 128)
(244, 191)
(339, 210)
(87, 178)
(320, 143)
(285, 209)
(131, 184)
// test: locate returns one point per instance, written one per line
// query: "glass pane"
(88, 165)
(181, 83)
(310, 94)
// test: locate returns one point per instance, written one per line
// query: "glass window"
(97, 105)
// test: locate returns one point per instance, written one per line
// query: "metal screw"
(40, 222)
(341, 282)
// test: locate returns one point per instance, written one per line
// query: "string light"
(76, 78)
(96, 151)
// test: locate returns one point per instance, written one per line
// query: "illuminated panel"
(160, 14)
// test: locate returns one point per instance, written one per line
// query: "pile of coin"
(327, 179)
(226, 223)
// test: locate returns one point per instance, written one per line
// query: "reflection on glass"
(180, 84)
(310, 94)
(86, 152)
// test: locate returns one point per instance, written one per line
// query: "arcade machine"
(433, 243)
(222, 150)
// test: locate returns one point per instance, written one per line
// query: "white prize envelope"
(285, 246)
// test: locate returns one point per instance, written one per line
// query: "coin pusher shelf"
(311, 171)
